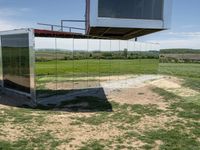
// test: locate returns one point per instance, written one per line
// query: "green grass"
(180, 69)
(168, 96)
(193, 83)
(92, 145)
(172, 139)
(128, 114)
(42, 141)
(95, 67)
(20, 116)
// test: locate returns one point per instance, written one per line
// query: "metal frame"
(96, 21)
(31, 61)
(1, 65)
(60, 26)
(32, 64)
(70, 28)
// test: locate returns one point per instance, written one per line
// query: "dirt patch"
(166, 83)
(72, 85)
(61, 127)
(84, 82)
(157, 144)
(3, 107)
(153, 123)
(173, 84)
(142, 95)
(11, 132)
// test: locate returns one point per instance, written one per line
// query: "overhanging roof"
(60, 34)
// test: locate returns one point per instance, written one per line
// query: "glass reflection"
(65, 66)
(93, 66)
(69, 65)
(80, 64)
(131, 9)
(46, 67)
(15, 58)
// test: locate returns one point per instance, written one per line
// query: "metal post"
(61, 25)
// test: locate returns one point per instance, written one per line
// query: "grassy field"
(191, 70)
(127, 126)
(96, 67)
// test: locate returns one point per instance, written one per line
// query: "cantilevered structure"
(126, 19)
(39, 63)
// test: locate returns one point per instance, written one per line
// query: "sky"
(184, 32)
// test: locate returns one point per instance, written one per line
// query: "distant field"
(97, 67)
(191, 70)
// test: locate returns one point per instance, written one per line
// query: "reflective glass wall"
(67, 66)
(15, 62)
(131, 9)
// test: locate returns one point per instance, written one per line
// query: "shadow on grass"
(79, 100)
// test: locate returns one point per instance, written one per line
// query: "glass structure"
(131, 9)
(66, 66)
(63, 67)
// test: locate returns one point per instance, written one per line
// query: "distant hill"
(180, 56)
(180, 51)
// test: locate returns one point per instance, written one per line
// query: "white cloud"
(192, 34)
(10, 25)
(179, 43)
(6, 25)
(6, 21)
(191, 26)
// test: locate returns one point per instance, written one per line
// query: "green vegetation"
(179, 56)
(123, 113)
(44, 140)
(20, 116)
(47, 55)
(172, 139)
(92, 145)
(182, 70)
(180, 51)
(95, 67)
(193, 83)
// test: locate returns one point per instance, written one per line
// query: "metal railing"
(52, 27)
(77, 21)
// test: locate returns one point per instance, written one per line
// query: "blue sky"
(184, 32)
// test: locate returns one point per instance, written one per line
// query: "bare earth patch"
(11, 132)
(61, 127)
(157, 122)
(142, 95)
(173, 84)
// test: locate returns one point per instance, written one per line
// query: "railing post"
(61, 25)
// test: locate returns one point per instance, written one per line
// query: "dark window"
(15, 56)
(131, 9)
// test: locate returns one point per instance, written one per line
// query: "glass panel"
(80, 63)
(15, 56)
(65, 63)
(105, 60)
(94, 55)
(46, 64)
(131, 9)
